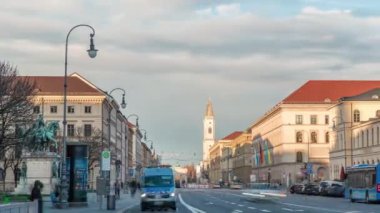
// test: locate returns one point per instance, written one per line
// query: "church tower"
(208, 130)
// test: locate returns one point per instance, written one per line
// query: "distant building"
(242, 158)
(355, 131)
(296, 132)
(208, 139)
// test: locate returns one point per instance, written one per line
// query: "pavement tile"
(125, 202)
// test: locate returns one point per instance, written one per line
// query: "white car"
(264, 191)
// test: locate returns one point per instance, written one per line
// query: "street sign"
(309, 168)
(106, 161)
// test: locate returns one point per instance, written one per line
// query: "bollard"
(111, 202)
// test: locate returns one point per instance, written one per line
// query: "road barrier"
(25, 207)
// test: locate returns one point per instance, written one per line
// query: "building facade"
(242, 158)
(355, 131)
(292, 141)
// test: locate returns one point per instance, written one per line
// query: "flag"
(268, 158)
(256, 157)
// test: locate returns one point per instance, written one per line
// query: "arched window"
(327, 137)
(299, 157)
(313, 137)
(209, 130)
(299, 137)
(378, 113)
(356, 115)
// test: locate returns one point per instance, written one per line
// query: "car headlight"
(143, 195)
(172, 194)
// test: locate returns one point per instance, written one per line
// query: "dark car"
(297, 188)
(311, 189)
(323, 186)
(335, 190)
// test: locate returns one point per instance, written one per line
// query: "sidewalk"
(125, 202)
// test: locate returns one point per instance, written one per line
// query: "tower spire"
(209, 110)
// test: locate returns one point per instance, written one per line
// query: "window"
(299, 137)
(70, 130)
(313, 137)
(377, 136)
(367, 137)
(327, 137)
(356, 115)
(372, 137)
(326, 119)
(70, 109)
(209, 130)
(53, 109)
(299, 157)
(362, 141)
(313, 119)
(36, 109)
(378, 113)
(87, 130)
(298, 119)
(87, 109)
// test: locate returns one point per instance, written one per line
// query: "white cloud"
(228, 9)
(316, 11)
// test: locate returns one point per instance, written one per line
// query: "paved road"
(231, 201)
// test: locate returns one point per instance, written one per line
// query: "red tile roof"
(317, 91)
(233, 135)
(53, 85)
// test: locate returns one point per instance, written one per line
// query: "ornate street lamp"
(92, 53)
(137, 119)
(123, 105)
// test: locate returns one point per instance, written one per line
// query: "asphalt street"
(232, 201)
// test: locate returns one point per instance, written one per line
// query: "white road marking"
(299, 210)
(286, 209)
(264, 210)
(251, 207)
(312, 207)
(190, 208)
(233, 203)
(237, 211)
(240, 205)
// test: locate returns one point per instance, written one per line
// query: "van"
(157, 188)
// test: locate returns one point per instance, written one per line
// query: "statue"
(54, 168)
(24, 170)
(40, 137)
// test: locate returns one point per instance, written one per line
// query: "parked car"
(336, 190)
(297, 188)
(324, 185)
(311, 189)
(236, 186)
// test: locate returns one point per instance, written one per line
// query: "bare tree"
(16, 106)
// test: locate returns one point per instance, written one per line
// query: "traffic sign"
(106, 161)
(309, 168)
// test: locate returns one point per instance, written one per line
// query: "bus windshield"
(159, 181)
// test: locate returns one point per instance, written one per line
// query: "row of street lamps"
(92, 52)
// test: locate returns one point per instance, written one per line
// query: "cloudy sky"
(172, 55)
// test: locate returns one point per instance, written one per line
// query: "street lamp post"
(92, 53)
(123, 106)
(137, 119)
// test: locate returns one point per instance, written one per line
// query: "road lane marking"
(240, 205)
(251, 207)
(190, 208)
(312, 207)
(237, 211)
(264, 210)
(286, 209)
(233, 203)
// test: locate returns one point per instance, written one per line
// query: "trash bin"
(111, 201)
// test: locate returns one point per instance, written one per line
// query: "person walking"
(133, 188)
(117, 189)
(36, 194)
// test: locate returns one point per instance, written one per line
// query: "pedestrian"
(117, 189)
(36, 194)
(133, 188)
